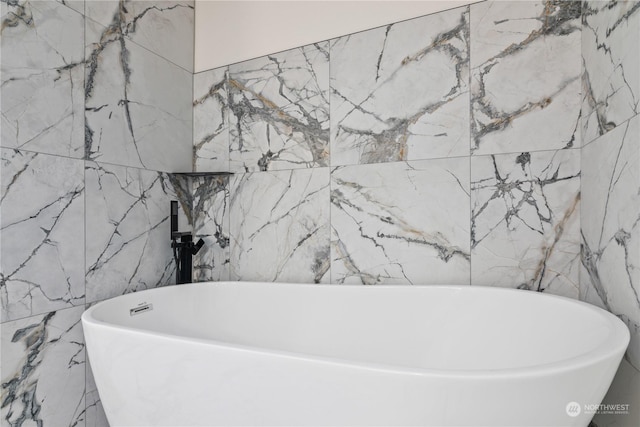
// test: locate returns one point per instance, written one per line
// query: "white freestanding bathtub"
(282, 354)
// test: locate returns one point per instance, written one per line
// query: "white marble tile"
(401, 223)
(280, 226)
(401, 92)
(138, 105)
(279, 110)
(165, 27)
(610, 275)
(210, 211)
(42, 211)
(210, 121)
(43, 370)
(42, 78)
(525, 76)
(611, 79)
(525, 221)
(128, 244)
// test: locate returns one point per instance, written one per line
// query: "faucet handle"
(199, 244)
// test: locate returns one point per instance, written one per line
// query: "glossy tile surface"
(525, 76)
(610, 226)
(401, 92)
(525, 221)
(211, 223)
(42, 212)
(279, 110)
(43, 370)
(611, 82)
(280, 226)
(401, 223)
(165, 27)
(42, 78)
(211, 121)
(128, 245)
(137, 104)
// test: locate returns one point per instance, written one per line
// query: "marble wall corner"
(611, 79)
(279, 222)
(401, 92)
(525, 76)
(43, 370)
(211, 121)
(211, 223)
(138, 107)
(279, 110)
(165, 27)
(128, 244)
(401, 223)
(525, 221)
(42, 78)
(610, 273)
(42, 233)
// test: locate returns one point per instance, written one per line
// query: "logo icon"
(573, 409)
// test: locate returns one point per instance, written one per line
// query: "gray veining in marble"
(525, 221)
(42, 250)
(42, 77)
(610, 275)
(401, 92)
(138, 108)
(211, 121)
(165, 27)
(525, 76)
(127, 230)
(279, 110)
(611, 58)
(279, 225)
(401, 223)
(211, 223)
(43, 370)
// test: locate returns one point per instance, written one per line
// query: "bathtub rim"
(608, 349)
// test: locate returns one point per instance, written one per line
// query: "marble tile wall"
(525, 76)
(452, 141)
(210, 218)
(418, 235)
(42, 78)
(211, 121)
(96, 109)
(610, 235)
(401, 92)
(136, 111)
(127, 230)
(279, 226)
(611, 87)
(525, 221)
(279, 111)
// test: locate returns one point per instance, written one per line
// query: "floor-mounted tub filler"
(258, 354)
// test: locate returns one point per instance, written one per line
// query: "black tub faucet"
(183, 250)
